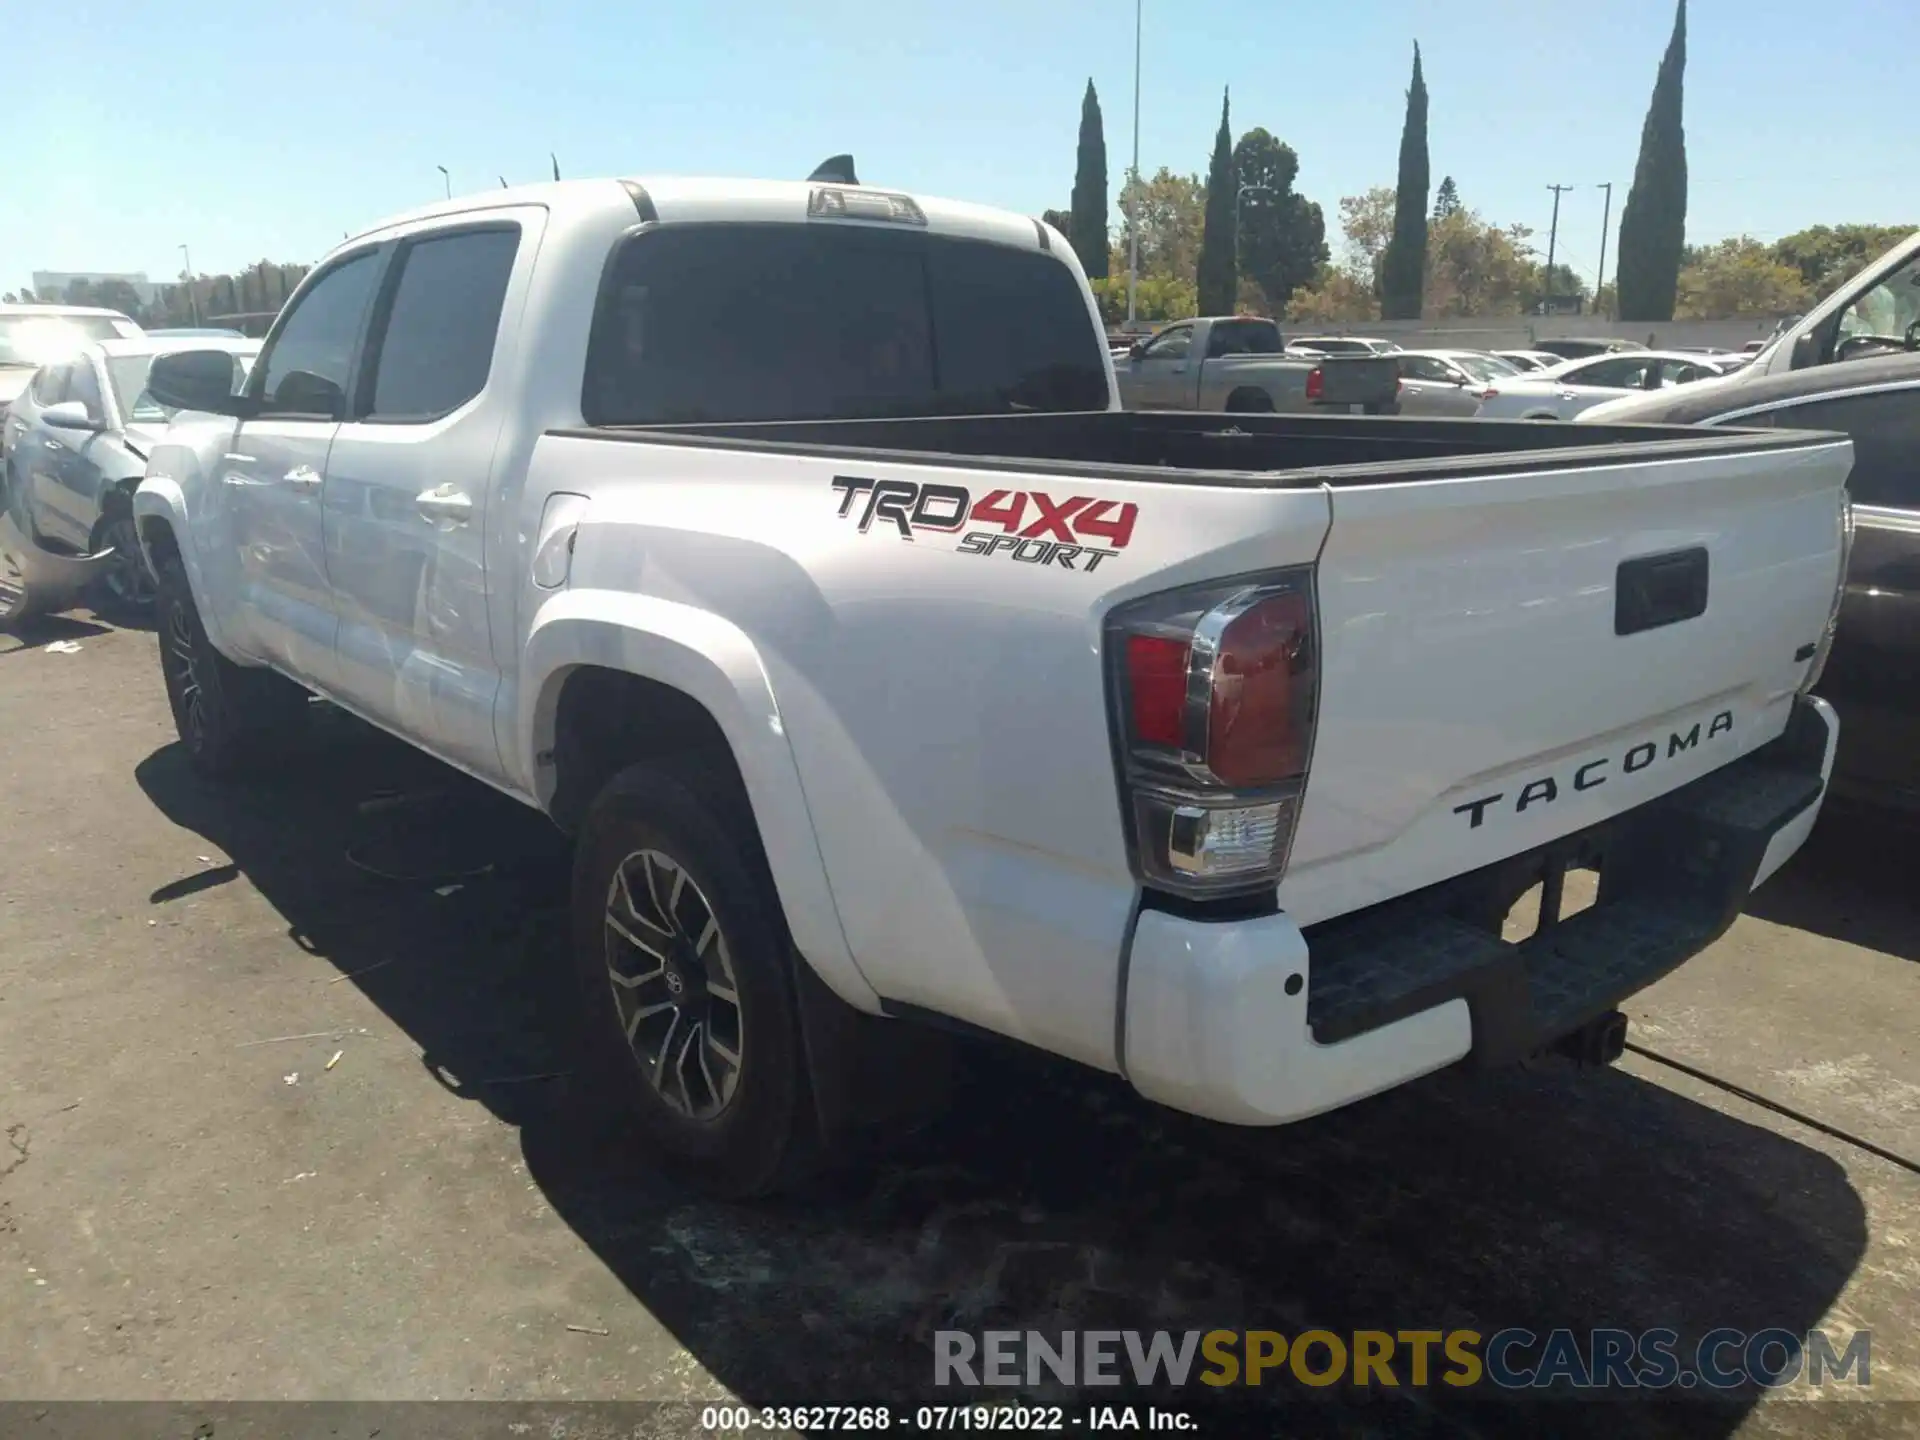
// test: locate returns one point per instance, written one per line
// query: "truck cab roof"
(682, 199)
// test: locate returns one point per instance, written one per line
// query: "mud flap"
(866, 1072)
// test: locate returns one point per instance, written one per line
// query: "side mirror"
(70, 415)
(195, 380)
(1136, 349)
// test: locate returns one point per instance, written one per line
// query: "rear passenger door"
(1873, 675)
(408, 485)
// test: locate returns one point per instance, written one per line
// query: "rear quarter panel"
(944, 701)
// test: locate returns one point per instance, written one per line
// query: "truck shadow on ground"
(1852, 881)
(1049, 1198)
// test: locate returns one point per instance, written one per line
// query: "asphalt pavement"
(288, 1113)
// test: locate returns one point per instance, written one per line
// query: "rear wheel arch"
(1249, 400)
(605, 720)
(603, 696)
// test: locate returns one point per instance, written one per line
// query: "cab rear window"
(720, 323)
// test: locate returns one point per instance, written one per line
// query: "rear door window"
(796, 322)
(1884, 426)
(437, 343)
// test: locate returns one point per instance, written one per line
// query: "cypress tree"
(1217, 279)
(1089, 206)
(1653, 226)
(1403, 268)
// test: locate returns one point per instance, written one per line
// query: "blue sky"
(252, 131)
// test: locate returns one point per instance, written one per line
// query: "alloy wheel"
(129, 580)
(13, 586)
(182, 660)
(673, 984)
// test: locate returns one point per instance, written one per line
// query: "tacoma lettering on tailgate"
(1075, 533)
(1547, 788)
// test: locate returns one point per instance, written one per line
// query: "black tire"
(230, 717)
(1249, 402)
(751, 1132)
(130, 587)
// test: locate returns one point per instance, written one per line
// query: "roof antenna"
(836, 170)
(503, 183)
(556, 164)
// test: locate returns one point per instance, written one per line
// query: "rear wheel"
(1249, 402)
(684, 973)
(229, 717)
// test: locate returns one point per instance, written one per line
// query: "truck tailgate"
(1360, 379)
(1511, 657)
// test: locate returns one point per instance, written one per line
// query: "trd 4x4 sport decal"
(1076, 533)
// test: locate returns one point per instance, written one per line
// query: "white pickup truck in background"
(786, 544)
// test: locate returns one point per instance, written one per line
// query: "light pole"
(193, 301)
(1133, 206)
(1606, 213)
(1240, 195)
(1553, 234)
(447, 178)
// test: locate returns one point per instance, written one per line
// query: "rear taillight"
(1825, 647)
(1214, 692)
(1316, 383)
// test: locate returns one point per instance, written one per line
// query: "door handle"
(53, 445)
(303, 478)
(444, 503)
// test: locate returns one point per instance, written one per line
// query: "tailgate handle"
(1657, 590)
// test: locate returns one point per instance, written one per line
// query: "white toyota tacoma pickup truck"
(786, 544)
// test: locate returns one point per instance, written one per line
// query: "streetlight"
(193, 301)
(1133, 207)
(1240, 195)
(1606, 214)
(446, 177)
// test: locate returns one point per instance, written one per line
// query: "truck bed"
(1264, 451)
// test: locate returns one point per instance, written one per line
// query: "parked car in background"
(31, 335)
(1574, 348)
(1530, 359)
(1339, 345)
(1237, 363)
(1873, 674)
(77, 444)
(1566, 390)
(1447, 382)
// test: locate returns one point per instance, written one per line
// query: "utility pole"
(1606, 213)
(447, 178)
(1553, 234)
(1133, 207)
